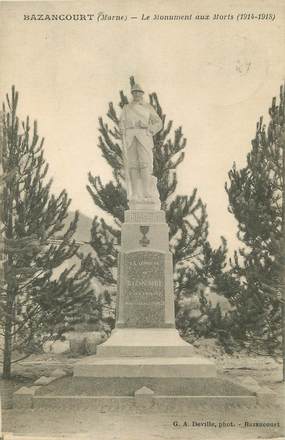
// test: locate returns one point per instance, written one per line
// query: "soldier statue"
(139, 122)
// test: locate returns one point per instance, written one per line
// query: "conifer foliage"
(256, 198)
(39, 299)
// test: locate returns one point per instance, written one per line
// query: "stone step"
(178, 367)
(145, 351)
(151, 342)
(132, 394)
(155, 404)
(128, 386)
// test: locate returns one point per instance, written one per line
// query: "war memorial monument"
(145, 365)
(145, 342)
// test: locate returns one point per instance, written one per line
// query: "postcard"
(142, 219)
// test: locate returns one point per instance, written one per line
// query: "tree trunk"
(283, 335)
(283, 256)
(7, 358)
(9, 312)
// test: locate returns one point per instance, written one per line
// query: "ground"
(229, 424)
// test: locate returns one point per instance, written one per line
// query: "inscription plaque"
(144, 289)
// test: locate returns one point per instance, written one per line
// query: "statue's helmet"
(136, 88)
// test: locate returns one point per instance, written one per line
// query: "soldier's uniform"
(139, 123)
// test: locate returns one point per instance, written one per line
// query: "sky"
(213, 77)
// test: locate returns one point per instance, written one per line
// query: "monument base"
(142, 394)
(148, 342)
(145, 367)
(153, 352)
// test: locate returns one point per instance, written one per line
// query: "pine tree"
(256, 197)
(186, 215)
(35, 302)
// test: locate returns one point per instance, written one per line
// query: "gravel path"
(95, 426)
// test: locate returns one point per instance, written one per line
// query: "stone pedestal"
(145, 342)
(145, 282)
